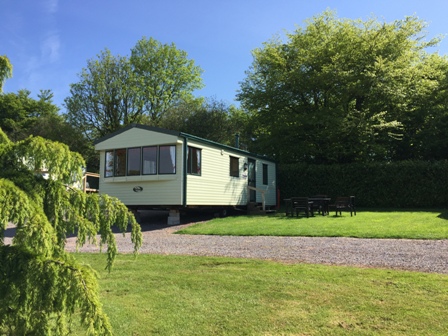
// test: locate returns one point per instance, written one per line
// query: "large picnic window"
(140, 161)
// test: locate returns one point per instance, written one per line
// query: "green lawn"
(174, 295)
(412, 224)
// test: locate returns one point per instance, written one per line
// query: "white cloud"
(50, 47)
(50, 6)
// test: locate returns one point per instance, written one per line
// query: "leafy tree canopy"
(22, 116)
(165, 76)
(5, 70)
(340, 90)
(115, 91)
(209, 119)
(41, 286)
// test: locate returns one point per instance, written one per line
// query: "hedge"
(413, 184)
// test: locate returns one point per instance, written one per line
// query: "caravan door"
(252, 180)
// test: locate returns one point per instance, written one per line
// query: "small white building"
(147, 167)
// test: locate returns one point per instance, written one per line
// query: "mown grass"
(411, 224)
(175, 295)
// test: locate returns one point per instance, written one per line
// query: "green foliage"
(4, 140)
(5, 70)
(115, 91)
(342, 90)
(105, 98)
(41, 287)
(19, 113)
(164, 76)
(222, 121)
(22, 116)
(41, 294)
(396, 184)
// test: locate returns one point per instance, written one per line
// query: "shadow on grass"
(291, 218)
(443, 215)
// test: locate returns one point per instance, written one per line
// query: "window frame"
(160, 172)
(234, 172)
(118, 166)
(265, 174)
(191, 153)
(139, 165)
(156, 160)
(110, 172)
(118, 161)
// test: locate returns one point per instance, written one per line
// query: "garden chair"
(302, 204)
(344, 203)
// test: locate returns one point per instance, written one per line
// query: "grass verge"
(174, 295)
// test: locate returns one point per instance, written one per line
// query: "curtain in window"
(167, 160)
(109, 169)
(198, 160)
(149, 160)
(173, 157)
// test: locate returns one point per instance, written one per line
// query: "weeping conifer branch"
(41, 286)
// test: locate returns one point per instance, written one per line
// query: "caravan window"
(109, 168)
(234, 166)
(149, 160)
(138, 161)
(134, 159)
(194, 161)
(120, 162)
(265, 174)
(167, 160)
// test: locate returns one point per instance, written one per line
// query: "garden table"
(321, 203)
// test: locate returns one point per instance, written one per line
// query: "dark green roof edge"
(181, 134)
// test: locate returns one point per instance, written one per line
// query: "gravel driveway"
(407, 254)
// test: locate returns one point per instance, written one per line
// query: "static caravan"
(148, 167)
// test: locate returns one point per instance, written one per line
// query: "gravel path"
(406, 254)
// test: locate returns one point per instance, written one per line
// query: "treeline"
(341, 91)
(335, 91)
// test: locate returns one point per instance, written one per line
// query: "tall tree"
(426, 123)
(209, 119)
(115, 91)
(337, 90)
(41, 286)
(165, 76)
(106, 97)
(22, 116)
(5, 71)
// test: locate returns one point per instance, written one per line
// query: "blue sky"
(49, 41)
